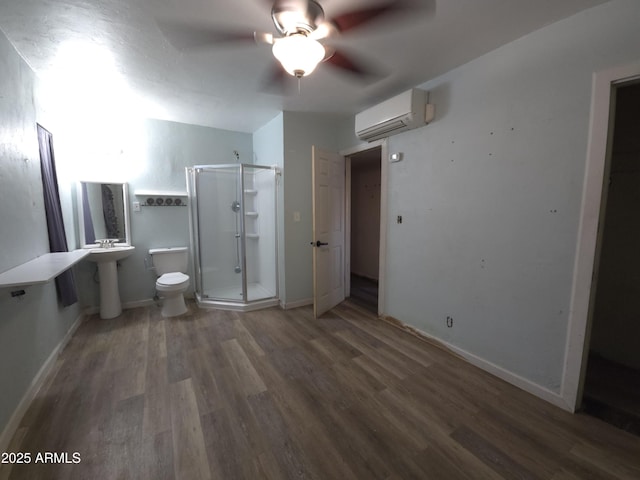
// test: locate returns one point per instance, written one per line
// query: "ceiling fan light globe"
(298, 53)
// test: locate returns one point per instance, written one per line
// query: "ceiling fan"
(304, 34)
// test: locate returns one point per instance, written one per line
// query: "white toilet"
(170, 265)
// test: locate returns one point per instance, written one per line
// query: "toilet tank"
(167, 260)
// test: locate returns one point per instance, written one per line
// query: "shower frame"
(195, 236)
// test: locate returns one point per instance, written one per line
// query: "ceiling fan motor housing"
(297, 16)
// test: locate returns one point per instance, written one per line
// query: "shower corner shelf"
(250, 192)
(251, 214)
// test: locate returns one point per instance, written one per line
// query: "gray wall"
(268, 149)
(301, 132)
(616, 324)
(32, 326)
(491, 192)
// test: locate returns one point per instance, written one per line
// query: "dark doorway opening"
(612, 381)
(365, 227)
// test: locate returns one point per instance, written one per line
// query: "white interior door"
(328, 230)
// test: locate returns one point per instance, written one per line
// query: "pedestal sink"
(106, 259)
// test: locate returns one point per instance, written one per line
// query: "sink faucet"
(106, 242)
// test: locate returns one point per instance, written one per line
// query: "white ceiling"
(223, 87)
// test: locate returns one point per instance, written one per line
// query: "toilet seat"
(172, 281)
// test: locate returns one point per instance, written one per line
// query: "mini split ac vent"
(403, 112)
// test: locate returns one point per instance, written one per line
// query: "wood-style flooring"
(279, 395)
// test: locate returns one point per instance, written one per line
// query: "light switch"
(395, 157)
(296, 216)
(136, 206)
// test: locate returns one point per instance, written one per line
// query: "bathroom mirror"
(103, 213)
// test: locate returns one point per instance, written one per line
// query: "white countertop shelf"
(42, 269)
(158, 193)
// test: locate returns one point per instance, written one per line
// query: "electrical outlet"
(399, 219)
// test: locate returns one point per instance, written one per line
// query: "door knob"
(319, 243)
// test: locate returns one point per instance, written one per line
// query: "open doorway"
(365, 181)
(612, 381)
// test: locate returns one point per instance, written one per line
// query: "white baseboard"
(91, 310)
(296, 304)
(125, 306)
(512, 378)
(34, 388)
(138, 303)
(500, 372)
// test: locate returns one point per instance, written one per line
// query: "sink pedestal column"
(110, 306)
(107, 260)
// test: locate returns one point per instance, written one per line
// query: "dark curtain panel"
(65, 283)
(89, 231)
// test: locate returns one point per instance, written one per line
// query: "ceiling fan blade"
(261, 37)
(347, 63)
(192, 36)
(357, 18)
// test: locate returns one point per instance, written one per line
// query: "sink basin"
(109, 254)
(106, 258)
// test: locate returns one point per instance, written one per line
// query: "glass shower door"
(233, 218)
(219, 220)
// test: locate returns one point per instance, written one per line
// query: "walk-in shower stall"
(233, 235)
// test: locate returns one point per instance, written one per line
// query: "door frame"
(384, 213)
(585, 273)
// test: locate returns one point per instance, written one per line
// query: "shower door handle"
(319, 243)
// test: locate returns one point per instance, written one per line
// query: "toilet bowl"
(170, 265)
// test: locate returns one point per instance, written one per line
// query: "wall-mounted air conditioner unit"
(403, 112)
